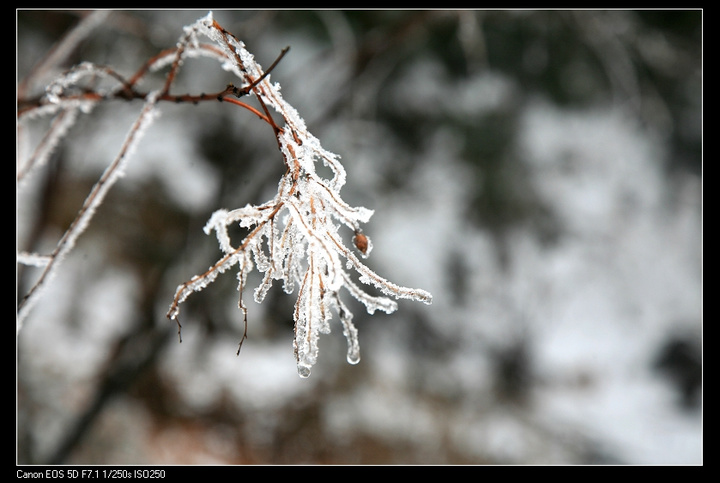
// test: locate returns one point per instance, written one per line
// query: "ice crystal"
(294, 237)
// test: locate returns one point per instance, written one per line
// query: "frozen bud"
(362, 243)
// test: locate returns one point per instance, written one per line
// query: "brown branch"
(174, 307)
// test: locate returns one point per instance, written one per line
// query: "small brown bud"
(361, 242)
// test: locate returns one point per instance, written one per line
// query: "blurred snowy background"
(540, 172)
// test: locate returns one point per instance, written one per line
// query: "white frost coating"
(295, 236)
(55, 91)
(59, 127)
(33, 259)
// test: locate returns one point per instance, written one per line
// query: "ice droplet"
(303, 371)
(353, 357)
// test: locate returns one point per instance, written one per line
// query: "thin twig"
(90, 205)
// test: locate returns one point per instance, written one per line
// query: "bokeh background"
(540, 172)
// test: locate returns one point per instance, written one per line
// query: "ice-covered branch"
(295, 236)
(90, 205)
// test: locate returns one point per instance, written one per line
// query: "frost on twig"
(87, 211)
(295, 237)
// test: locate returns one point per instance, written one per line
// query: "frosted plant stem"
(90, 205)
(297, 231)
(62, 122)
(294, 237)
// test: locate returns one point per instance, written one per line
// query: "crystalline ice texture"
(295, 237)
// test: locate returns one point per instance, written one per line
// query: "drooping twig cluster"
(294, 237)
